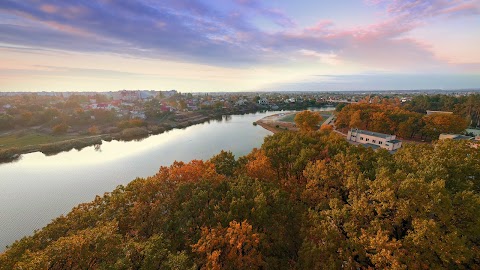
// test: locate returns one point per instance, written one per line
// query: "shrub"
(60, 128)
(134, 132)
(93, 130)
(131, 123)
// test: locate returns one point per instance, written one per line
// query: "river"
(37, 188)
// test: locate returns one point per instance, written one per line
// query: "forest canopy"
(304, 200)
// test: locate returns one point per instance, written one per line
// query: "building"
(445, 136)
(374, 139)
(263, 101)
(475, 141)
(240, 102)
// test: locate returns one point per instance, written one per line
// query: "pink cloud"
(321, 26)
(49, 8)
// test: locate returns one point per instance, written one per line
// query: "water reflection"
(227, 118)
(98, 147)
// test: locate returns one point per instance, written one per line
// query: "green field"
(31, 139)
(288, 118)
(291, 117)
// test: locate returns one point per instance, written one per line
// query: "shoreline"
(272, 123)
(13, 154)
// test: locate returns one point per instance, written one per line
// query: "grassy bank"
(33, 138)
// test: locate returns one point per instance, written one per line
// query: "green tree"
(225, 163)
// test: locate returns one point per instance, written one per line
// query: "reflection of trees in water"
(227, 118)
(98, 147)
(218, 119)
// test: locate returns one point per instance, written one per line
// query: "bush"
(60, 128)
(93, 130)
(8, 154)
(131, 123)
(133, 132)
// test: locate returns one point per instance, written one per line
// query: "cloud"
(199, 32)
(55, 71)
(278, 16)
(185, 30)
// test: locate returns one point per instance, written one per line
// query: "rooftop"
(463, 137)
(455, 137)
(371, 133)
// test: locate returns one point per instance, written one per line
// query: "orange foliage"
(326, 128)
(193, 171)
(259, 166)
(235, 247)
(307, 121)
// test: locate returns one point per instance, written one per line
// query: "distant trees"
(93, 130)
(468, 107)
(131, 123)
(6, 122)
(391, 119)
(60, 128)
(438, 123)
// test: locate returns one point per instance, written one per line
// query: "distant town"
(51, 122)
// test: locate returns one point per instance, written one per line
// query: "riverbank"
(53, 144)
(273, 124)
(34, 142)
(285, 121)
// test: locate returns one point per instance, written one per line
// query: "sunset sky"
(239, 45)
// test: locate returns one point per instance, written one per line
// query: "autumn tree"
(258, 166)
(438, 123)
(307, 120)
(93, 130)
(235, 247)
(60, 128)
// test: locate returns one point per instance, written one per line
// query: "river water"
(37, 188)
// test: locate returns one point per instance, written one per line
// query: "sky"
(239, 45)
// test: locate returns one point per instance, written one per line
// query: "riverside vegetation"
(304, 200)
(31, 125)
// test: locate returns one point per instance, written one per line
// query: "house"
(290, 100)
(374, 139)
(263, 101)
(138, 115)
(240, 102)
(127, 95)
